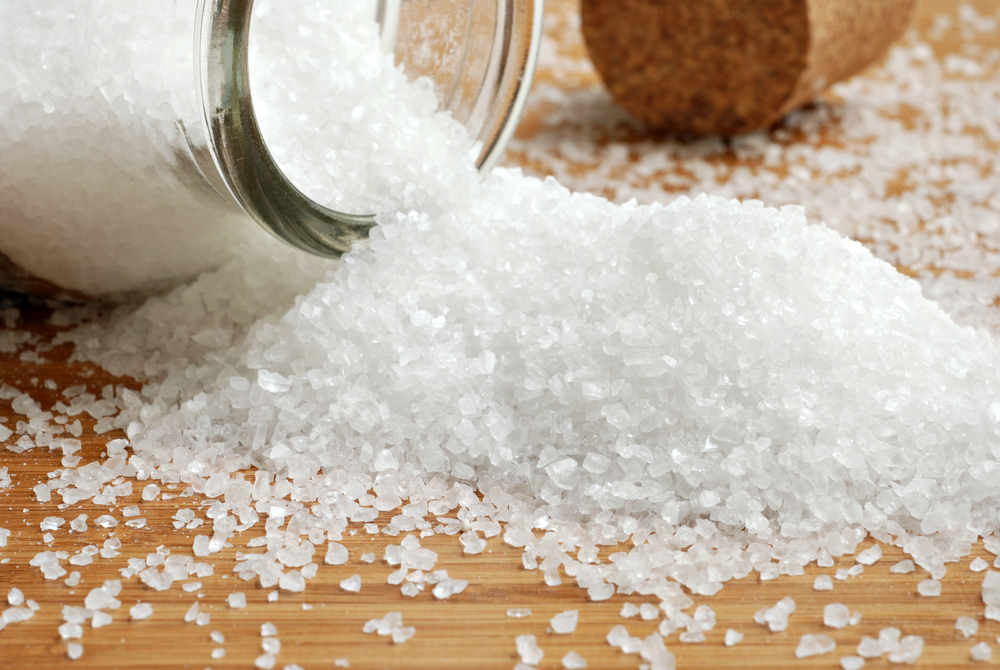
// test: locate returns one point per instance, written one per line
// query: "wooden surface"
(470, 630)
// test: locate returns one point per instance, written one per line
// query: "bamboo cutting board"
(470, 630)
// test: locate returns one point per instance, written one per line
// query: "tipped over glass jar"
(132, 153)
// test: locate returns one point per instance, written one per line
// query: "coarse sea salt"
(663, 374)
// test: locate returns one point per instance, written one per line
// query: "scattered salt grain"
(518, 612)
(217, 637)
(237, 600)
(528, 649)
(978, 564)
(870, 647)
(218, 653)
(141, 611)
(15, 597)
(903, 567)
(564, 622)
(342, 663)
(929, 587)
(100, 619)
(733, 637)
(908, 650)
(265, 661)
(352, 584)
(74, 650)
(982, 652)
(852, 662)
(967, 626)
(823, 583)
(836, 615)
(870, 555)
(814, 645)
(268, 629)
(574, 661)
(336, 554)
(776, 618)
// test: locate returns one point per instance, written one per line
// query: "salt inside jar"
(131, 155)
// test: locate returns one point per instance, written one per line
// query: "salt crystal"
(518, 612)
(869, 556)
(352, 584)
(648, 612)
(870, 647)
(528, 649)
(903, 567)
(574, 661)
(217, 637)
(141, 611)
(909, 650)
(218, 653)
(967, 626)
(15, 597)
(823, 583)
(100, 619)
(271, 645)
(564, 622)
(336, 554)
(981, 652)
(402, 634)
(836, 615)
(268, 629)
(978, 564)
(814, 645)
(733, 637)
(237, 600)
(265, 661)
(852, 662)
(74, 650)
(929, 587)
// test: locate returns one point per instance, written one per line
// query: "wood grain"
(470, 630)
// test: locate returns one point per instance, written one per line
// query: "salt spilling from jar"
(130, 153)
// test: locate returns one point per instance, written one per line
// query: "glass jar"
(131, 125)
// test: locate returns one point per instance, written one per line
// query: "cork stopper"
(732, 66)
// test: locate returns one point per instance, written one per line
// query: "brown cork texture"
(732, 66)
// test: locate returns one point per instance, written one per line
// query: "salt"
(929, 587)
(574, 661)
(836, 615)
(814, 645)
(823, 583)
(733, 637)
(564, 622)
(852, 662)
(967, 626)
(528, 649)
(981, 652)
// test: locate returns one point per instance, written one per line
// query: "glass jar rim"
(249, 172)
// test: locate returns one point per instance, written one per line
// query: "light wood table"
(470, 630)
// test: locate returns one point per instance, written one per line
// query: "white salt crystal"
(402, 634)
(342, 663)
(218, 653)
(733, 637)
(929, 587)
(776, 617)
(368, 558)
(855, 619)
(909, 650)
(629, 610)
(265, 661)
(648, 612)
(150, 492)
(564, 622)
(100, 619)
(336, 554)
(836, 615)
(903, 567)
(852, 662)
(981, 652)
(15, 597)
(870, 647)
(74, 650)
(272, 597)
(352, 584)
(870, 555)
(823, 583)
(574, 661)
(518, 612)
(192, 614)
(217, 637)
(271, 645)
(141, 611)
(528, 649)
(268, 629)
(967, 626)
(814, 645)
(237, 600)
(293, 581)
(978, 564)
(70, 631)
